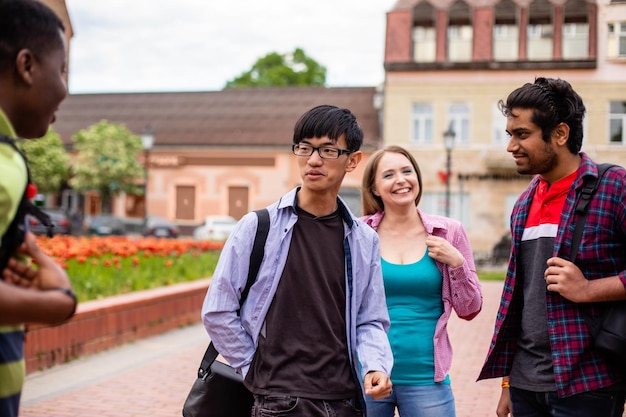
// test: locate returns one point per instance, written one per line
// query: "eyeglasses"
(325, 152)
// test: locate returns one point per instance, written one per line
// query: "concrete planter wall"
(106, 323)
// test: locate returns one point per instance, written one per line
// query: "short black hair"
(552, 101)
(26, 24)
(331, 121)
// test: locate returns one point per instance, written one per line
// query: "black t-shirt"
(303, 349)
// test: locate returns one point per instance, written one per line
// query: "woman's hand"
(441, 250)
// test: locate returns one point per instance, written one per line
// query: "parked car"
(215, 228)
(160, 227)
(105, 225)
(59, 218)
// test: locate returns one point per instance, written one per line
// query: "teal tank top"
(414, 301)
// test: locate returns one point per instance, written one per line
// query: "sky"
(199, 45)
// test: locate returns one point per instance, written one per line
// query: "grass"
(491, 275)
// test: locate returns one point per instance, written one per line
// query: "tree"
(48, 162)
(107, 162)
(276, 70)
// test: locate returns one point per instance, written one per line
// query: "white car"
(215, 228)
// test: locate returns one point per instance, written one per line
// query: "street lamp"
(147, 140)
(448, 142)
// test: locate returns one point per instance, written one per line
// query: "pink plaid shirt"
(460, 288)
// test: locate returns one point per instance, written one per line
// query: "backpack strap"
(14, 236)
(590, 186)
(256, 257)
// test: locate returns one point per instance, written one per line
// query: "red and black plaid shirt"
(602, 253)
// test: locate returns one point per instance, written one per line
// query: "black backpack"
(13, 237)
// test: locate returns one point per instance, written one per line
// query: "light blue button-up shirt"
(236, 337)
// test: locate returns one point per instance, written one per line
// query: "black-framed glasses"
(325, 152)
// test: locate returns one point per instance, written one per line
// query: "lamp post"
(147, 140)
(448, 142)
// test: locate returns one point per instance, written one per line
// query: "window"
(460, 43)
(424, 44)
(505, 42)
(575, 40)
(617, 122)
(435, 203)
(539, 42)
(422, 123)
(498, 124)
(459, 117)
(616, 45)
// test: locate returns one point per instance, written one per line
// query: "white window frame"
(435, 203)
(616, 40)
(422, 120)
(459, 117)
(617, 123)
(498, 126)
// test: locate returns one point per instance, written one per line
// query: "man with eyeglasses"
(311, 338)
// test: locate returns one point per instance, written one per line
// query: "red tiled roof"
(231, 117)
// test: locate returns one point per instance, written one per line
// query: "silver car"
(215, 228)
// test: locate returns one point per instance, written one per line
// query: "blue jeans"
(593, 403)
(271, 405)
(414, 401)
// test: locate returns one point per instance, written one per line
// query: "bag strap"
(256, 257)
(590, 186)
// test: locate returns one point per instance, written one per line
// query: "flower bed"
(129, 288)
(101, 267)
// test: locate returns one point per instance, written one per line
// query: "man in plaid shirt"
(541, 345)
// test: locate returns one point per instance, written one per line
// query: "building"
(448, 62)
(221, 152)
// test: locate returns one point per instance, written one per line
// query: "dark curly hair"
(553, 101)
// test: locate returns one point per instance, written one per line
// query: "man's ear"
(353, 160)
(24, 65)
(561, 134)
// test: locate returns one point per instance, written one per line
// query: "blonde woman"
(428, 271)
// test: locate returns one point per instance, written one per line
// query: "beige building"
(449, 62)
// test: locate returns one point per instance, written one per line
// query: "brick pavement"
(151, 377)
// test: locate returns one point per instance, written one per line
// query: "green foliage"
(105, 276)
(279, 70)
(106, 160)
(47, 160)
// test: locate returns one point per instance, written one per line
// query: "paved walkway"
(152, 377)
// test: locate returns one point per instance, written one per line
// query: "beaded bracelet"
(505, 383)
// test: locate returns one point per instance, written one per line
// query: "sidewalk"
(152, 377)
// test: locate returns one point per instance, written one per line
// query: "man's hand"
(504, 404)
(377, 384)
(566, 278)
(48, 274)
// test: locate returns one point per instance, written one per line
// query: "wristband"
(72, 295)
(505, 384)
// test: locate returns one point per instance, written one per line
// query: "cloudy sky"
(198, 45)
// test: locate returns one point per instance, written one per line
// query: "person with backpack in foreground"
(311, 338)
(542, 345)
(32, 85)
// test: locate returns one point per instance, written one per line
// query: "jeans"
(274, 406)
(593, 403)
(414, 401)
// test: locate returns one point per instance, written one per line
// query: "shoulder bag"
(608, 331)
(219, 391)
